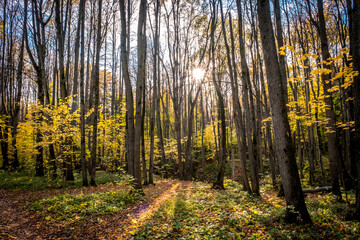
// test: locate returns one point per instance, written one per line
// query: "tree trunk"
(144, 168)
(140, 85)
(355, 52)
(282, 136)
(96, 91)
(219, 183)
(188, 157)
(16, 115)
(154, 96)
(254, 174)
(82, 94)
(333, 147)
(129, 92)
(280, 42)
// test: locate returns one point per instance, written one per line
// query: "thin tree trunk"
(254, 174)
(96, 90)
(154, 96)
(82, 95)
(129, 92)
(219, 183)
(144, 168)
(280, 42)
(19, 76)
(333, 147)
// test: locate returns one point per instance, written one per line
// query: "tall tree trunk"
(284, 148)
(280, 42)
(219, 183)
(333, 147)
(254, 174)
(19, 76)
(60, 35)
(354, 8)
(154, 96)
(139, 90)
(129, 92)
(82, 94)
(38, 61)
(114, 66)
(96, 91)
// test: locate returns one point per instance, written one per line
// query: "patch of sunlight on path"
(147, 212)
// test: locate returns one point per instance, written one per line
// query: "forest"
(180, 119)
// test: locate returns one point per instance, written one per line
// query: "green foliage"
(75, 207)
(199, 212)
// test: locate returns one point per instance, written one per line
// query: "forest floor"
(170, 209)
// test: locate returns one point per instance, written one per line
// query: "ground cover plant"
(74, 207)
(199, 212)
(170, 209)
(25, 180)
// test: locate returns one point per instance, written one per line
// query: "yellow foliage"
(321, 71)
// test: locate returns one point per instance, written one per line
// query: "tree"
(219, 183)
(19, 77)
(95, 87)
(154, 92)
(38, 42)
(140, 85)
(334, 157)
(82, 94)
(354, 14)
(282, 136)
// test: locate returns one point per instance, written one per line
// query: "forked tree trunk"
(129, 142)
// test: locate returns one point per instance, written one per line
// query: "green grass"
(72, 208)
(205, 213)
(27, 181)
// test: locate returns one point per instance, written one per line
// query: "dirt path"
(17, 221)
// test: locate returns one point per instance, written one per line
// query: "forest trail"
(171, 209)
(19, 221)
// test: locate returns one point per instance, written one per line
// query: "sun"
(198, 73)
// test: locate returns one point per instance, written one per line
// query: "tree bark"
(282, 136)
(219, 183)
(129, 92)
(140, 85)
(354, 7)
(154, 92)
(245, 77)
(96, 91)
(333, 147)
(19, 76)
(82, 94)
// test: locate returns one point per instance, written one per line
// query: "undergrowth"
(71, 208)
(200, 212)
(26, 180)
